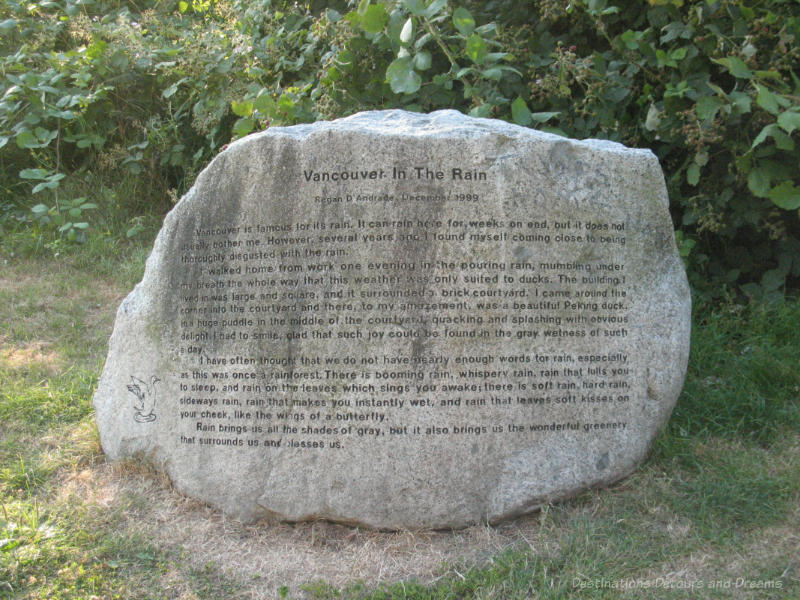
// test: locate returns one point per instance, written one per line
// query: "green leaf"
(701, 158)
(476, 48)
(422, 40)
(434, 8)
(415, 7)
(693, 174)
(707, 107)
(785, 195)
(91, 140)
(375, 19)
(653, 119)
(422, 61)
(8, 24)
(243, 126)
(736, 67)
(555, 131)
(758, 181)
(183, 6)
(767, 100)
(752, 289)
(493, 57)
(139, 146)
(463, 21)
(407, 33)
(401, 76)
(616, 94)
(75, 212)
(170, 91)
(507, 69)
(520, 112)
(243, 108)
(34, 174)
(286, 104)
(541, 117)
(773, 280)
(677, 54)
(264, 103)
(44, 185)
(26, 139)
(789, 121)
(782, 141)
(771, 74)
(81, 225)
(67, 115)
(96, 49)
(631, 39)
(39, 210)
(362, 7)
(493, 73)
(741, 101)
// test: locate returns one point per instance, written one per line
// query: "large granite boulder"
(403, 320)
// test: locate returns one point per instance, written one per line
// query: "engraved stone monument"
(403, 320)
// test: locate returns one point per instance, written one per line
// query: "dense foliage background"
(110, 108)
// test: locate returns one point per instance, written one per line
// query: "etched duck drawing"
(145, 402)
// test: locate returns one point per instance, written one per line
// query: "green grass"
(716, 500)
(743, 381)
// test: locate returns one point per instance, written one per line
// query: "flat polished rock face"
(403, 320)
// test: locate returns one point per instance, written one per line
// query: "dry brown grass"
(130, 499)
(134, 500)
(270, 554)
(767, 555)
(54, 316)
(37, 355)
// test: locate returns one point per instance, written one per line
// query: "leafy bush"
(153, 91)
(709, 86)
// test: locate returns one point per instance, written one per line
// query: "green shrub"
(709, 86)
(154, 90)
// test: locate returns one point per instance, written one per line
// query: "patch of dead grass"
(19, 275)
(133, 499)
(768, 553)
(270, 554)
(37, 296)
(37, 355)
